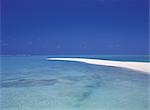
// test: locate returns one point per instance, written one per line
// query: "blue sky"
(74, 27)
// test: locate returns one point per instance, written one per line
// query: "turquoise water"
(33, 83)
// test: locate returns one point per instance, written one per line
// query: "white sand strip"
(139, 66)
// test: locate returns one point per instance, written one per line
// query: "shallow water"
(35, 83)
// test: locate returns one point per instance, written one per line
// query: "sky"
(45, 27)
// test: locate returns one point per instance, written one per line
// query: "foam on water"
(34, 83)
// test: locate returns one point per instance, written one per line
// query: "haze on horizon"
(74, 27)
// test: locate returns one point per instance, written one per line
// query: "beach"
(138, 66)
(75, 55)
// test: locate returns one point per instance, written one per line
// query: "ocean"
(34, 83)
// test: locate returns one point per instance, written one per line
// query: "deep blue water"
(32, 82)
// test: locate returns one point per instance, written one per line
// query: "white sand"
(139, 66)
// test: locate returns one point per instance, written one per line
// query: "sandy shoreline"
(139, 66)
